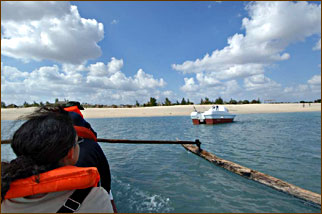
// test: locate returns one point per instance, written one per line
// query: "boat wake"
(131, 199)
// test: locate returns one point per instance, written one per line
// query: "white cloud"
(168, 93)
(280, 23)
(48, 30)
(309, 91)
(189, 85)
(40, 83)
(143, 80)
(114, 65)
(207, 80)
(114, 22)
(317, 45)
(232, 89)
(269, 29)
(240, 71)
(268, 32)
(315, 80)
(95, 83)
(260, 82)
(111, 76)
(98, 69)
(207, 86)
(13, 74)
(303, 88)
(315, 84)
(30, 10)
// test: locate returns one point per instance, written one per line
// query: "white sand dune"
(181, 110)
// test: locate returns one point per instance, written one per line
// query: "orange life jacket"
(81, 131)
(60, 179)
(74, 109)
(85, 133)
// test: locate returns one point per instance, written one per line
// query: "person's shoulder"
(98, 200)
(99, 191)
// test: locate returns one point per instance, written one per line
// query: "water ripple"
(167, 178)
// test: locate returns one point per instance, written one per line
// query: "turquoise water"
(167, 178)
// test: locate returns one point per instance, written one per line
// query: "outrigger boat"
(216, 114)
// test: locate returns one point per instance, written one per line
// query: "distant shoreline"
(177, 110)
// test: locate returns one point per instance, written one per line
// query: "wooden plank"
(258, 176)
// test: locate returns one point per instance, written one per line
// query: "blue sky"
(120, 52)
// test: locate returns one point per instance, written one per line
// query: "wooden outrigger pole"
(262, 178)
(102, 140)
(197, 142)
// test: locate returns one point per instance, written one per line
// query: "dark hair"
(40, 143)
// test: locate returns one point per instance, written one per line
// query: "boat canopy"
(219, 108)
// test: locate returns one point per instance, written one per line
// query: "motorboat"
(216, 114)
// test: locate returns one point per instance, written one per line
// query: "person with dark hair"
(91, 154)
(43, 178)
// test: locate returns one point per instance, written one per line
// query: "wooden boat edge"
(257, 176)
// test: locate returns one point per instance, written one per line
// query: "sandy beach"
(181, 110)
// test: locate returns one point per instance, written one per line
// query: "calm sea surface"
(167, 178)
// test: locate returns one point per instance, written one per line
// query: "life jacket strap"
(74, 202)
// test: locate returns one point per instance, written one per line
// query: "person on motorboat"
(43, 177)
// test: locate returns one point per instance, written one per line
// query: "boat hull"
(197, 121)
(219, 120)
(212, 121)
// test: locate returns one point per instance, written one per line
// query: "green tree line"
(152, 102)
